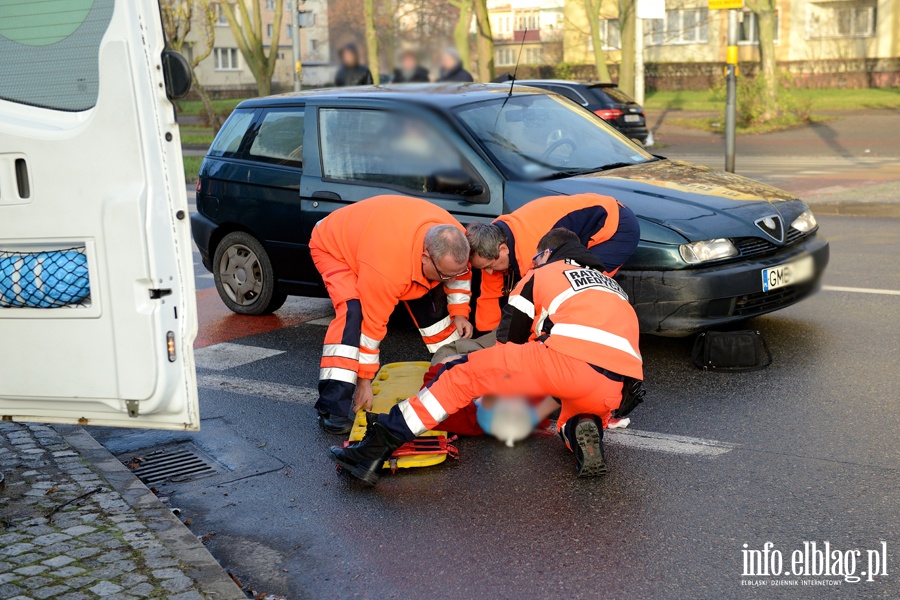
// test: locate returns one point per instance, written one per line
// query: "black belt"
(607, 373)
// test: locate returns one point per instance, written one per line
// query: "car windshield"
(539, 136)
(600, 92)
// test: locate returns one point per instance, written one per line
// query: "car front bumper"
(679, 303)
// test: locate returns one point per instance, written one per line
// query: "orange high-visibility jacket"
(381, 240)
(596, 217)
(577, 311)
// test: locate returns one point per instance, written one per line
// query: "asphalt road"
(804, 451)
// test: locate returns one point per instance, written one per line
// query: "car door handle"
(322, 195)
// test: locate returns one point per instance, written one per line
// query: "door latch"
(156, 294)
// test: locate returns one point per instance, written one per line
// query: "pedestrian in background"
(410, 71)
(452, 67)
(351, 72)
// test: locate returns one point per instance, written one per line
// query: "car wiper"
(576, 172)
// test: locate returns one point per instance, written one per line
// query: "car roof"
(567, 82)
(444, 95)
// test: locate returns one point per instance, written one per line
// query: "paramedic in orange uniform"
(371, 255)
(503, 249)
(568, 331)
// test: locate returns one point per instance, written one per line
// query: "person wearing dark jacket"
(410, 71)
(452, 68)
(350, 71)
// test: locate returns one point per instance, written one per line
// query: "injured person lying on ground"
(568, 332)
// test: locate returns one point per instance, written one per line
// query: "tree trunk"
(485, 42)
(209, 111)
(768, 67)
(372, 41)
(626, 67)
(461, 31)
(592, 10)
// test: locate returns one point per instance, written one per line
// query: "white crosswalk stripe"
(281, 392)
(670, 444)
(220, 357)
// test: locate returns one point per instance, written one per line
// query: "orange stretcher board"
(394, 383)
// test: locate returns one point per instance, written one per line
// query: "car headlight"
(707, 250)
(806, 222)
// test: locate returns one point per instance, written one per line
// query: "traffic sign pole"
(731, 89)
(295, 43)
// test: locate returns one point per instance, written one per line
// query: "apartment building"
(532, 27)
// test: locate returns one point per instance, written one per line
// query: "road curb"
(856, 209)
(184, 546)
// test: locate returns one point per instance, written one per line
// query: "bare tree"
(461, 31)
(249, 38)
(627, 28)
(485, 42)
(768, 67)
(372, 40)
(592, 12)
(178, 19)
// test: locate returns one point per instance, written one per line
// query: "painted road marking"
(220, 357)
(662, 442)
(261, 389)
(323, 321)
(837, 288)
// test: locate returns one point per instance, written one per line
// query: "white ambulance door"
(97, 301)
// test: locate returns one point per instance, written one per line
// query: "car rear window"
(229, 139)
(51, 55)
(602, 93)
(280, 138)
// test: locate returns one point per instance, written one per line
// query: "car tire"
(244, 276)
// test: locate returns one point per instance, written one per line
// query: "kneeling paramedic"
(503, 249)
(572, 334)
(371, 255)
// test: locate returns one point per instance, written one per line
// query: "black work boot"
(335, 424)
(365, 458)
(584, 434)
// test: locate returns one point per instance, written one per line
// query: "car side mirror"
(177, 74)
(456, 182)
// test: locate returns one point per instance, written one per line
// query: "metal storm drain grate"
(178, 463)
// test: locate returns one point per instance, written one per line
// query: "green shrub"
(751, 101)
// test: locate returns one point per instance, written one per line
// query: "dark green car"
(715, 247)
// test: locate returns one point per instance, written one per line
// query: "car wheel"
(244, 276)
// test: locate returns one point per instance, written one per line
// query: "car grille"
(754, 246)
(760, 302)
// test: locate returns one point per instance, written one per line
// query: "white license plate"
(788, 274)
(632, 118)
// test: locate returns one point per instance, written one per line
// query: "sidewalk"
(76, 524)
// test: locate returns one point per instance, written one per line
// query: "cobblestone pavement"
(67, 534)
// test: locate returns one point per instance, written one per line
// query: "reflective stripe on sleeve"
(522, 304)
(460, 284)
(368, 342)
(338, 374)
(432, 348)
(597, 336)
(432, 405)
(412, 419)
(436, 328)
(368, 359)
(458, 298)
(342, 350)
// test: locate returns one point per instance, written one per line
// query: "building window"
(290, 32)
(826, 20)
(683, 26)
(610, 34)
(532, 56)
(221, 21)
(269, 30)
(748, 32)
(529, 20)
(505, 57)
(270, 4)
(227, 59)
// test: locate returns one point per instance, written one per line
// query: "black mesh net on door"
(49, 279)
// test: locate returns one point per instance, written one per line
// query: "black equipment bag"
(632, 394)
(731, 351)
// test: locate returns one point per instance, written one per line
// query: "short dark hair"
(556, 238)
(485, 240)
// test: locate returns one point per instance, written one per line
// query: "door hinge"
(132, 406)
(156, 294)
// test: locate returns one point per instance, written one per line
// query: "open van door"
(97, 301)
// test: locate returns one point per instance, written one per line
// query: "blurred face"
(448, 61)
(348, 58)
(541, 258)
(442, 270)
(488, 265)
(408, 62)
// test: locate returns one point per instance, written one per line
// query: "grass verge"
(191, 168)
(837, 99)
(190, 138)
(194, 108)
(717, 124)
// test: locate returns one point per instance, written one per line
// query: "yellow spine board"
(394, 383)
